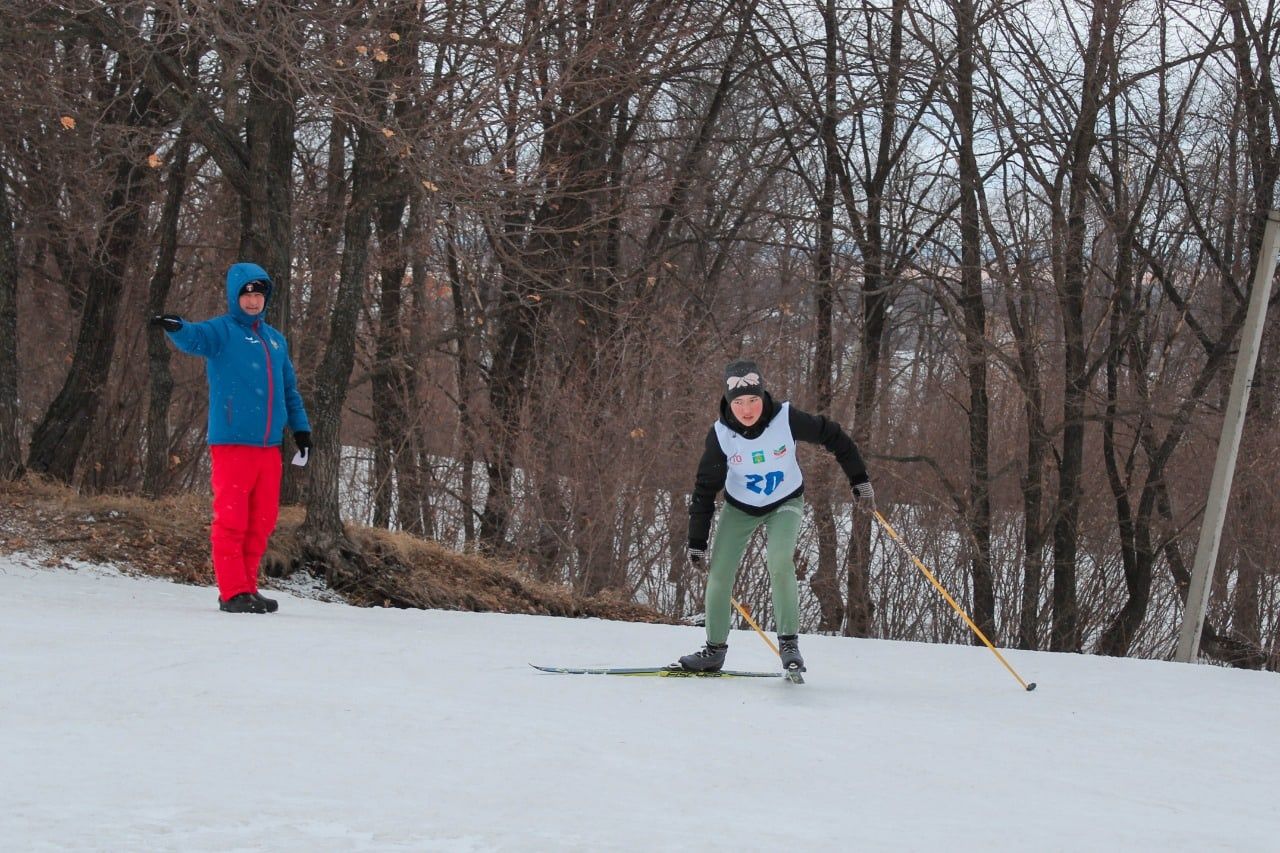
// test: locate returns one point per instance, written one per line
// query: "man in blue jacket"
(253, 393)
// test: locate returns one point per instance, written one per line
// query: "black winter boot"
(270, 603)
(789, 649)
(242, 603)
(710, 658)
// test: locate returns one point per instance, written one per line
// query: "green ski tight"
(782, 528)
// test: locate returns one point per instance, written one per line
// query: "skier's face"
(252, 303)
(747, 409)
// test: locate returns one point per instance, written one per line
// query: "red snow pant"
(246, 502)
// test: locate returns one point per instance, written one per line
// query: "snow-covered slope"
(135, 716)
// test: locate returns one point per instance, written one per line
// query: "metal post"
(1215, 509)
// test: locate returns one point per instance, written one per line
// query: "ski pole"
(752, 623)
(933, 580)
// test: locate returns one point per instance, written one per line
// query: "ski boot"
(789, 650)
(270, 603)
(710, 658)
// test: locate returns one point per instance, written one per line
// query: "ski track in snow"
(135, 716)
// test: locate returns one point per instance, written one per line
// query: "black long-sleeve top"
(713, 468)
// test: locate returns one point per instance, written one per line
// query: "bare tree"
(510, 239)
(10, 448)
(158, 355)
(58, 439)
(322, 530)
(825, 581)
(1065, 183)
(972, 299)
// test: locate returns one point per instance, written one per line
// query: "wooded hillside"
(1008, 246)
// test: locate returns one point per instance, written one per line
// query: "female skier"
(751, 453)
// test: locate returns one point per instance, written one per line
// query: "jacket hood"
(766, 416)
(238, 275)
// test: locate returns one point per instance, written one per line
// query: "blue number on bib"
(771, 482)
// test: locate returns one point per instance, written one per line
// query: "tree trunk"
(266, 209)
(1033, 529)
(1071, 230)
(322, 530)
(389, 392)
(869, 230)
(1137, 571)
(308, 349)
(1136, 554)
(825, 581)
(413, 464)
(391, 371)
(1021, 282)
(512, 359)
(59, 438)
(266, 205)
(156, 467)
(975, 329)
(10, 443)
(464, 366)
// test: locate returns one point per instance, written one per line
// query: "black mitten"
(168, 322)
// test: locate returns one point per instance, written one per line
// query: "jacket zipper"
(262, 339)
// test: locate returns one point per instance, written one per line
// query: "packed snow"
(136, 716)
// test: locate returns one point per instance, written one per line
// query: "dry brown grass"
(169, 538)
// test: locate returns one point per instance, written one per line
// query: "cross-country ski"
(670, 671)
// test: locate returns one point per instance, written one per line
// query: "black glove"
(302, 438)
(697, 555)
(168, 322)
(864, 492)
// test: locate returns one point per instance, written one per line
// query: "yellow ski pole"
(933, 580)
(752, 623)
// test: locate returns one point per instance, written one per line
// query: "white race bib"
(763, 470)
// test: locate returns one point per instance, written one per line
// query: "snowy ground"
(135, 716)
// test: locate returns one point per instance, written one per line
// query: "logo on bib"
(781, 451)
(757, 456)
(735, 459)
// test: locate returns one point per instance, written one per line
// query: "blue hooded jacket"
(253, 391)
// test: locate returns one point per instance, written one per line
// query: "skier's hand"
(697, 556)
(302, 438)
(864, 494)
(168, 322)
